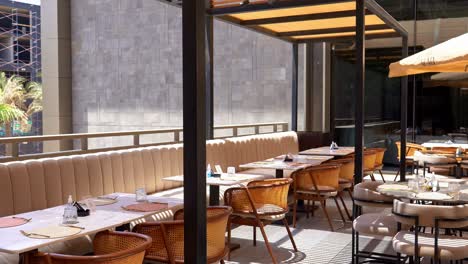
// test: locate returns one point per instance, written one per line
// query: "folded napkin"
(146, 207)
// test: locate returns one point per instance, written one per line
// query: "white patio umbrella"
(449, 56)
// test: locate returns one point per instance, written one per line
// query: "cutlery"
(33, 234)
(27, 219)
(108, 197)
(73, 226)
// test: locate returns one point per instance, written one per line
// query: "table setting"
(428, 189)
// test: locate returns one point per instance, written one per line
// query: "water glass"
(70, 215)
(141, 195)
(413, 185)
(231, 171)
(454, 190)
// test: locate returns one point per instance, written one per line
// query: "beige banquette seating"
(38, 184)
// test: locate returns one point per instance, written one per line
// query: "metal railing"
(82, 139)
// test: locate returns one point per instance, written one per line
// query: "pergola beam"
(308, 17)
(341, 39)
(329, 30)
(386, 17)
(269, 6)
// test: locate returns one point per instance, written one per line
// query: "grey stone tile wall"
(127, 69)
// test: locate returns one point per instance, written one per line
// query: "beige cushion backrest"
(216, 154)
(365, 194)
(241, 150)
(428, 213)
(38, 184)
(432, 158)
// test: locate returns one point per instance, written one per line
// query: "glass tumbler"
(140, 194)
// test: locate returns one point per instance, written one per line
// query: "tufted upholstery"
(38, 184)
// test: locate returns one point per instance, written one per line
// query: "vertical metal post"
(404, 114)
(194, 118)
(294, 85)
(415, 14)
(332, 96)
(209, 78)
(359, 92)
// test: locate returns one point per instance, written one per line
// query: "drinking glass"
(413, 185)
(231, 171)
(454, 190)
(141, 195)
(70, 215)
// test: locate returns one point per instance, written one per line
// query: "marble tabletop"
(104, 218)
(224, 180)
(326, 151)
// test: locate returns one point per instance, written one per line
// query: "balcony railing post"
(285, 127)
(84, 143)
(176, 136)
(257, 130)
(136, 139)
(14, 150)
(275, 128)
(235, 132)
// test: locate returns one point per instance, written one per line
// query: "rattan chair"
(430, 245)
(368, 163)
(258, 204)
(379, 156)
(411, 148)
(109, 248)
(375, 224)
(317, 184)
(346, 181)
(168, 236)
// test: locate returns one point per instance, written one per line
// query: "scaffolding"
(20, 51)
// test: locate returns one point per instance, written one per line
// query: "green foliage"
(19, 99)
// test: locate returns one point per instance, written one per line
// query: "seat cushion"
(345, 184)
(381, 224)
(450, 247)
(262, 210)
(322, 190)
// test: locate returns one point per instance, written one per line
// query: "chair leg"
(295, 213)
(254, 236)
(350, 194)
(221, 261)
(339, 210)
(322, 204)
(381, 175)
(345, 208)
(313, 208)
(285, 222)
(260, 224)
(396, 176)
(229, 238)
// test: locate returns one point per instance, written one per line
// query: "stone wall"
(127, 69)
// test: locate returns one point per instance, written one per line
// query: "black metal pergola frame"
(197, 38)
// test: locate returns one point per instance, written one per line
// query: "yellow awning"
(449, 56)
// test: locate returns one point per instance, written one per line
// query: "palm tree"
(18, 100)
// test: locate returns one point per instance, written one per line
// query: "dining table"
(279, 164)
(224, 179)
(401, 190)
(326, 151)
(440, 143)
(15, 240)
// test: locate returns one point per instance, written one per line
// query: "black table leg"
(279, 174)
(214, 195)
